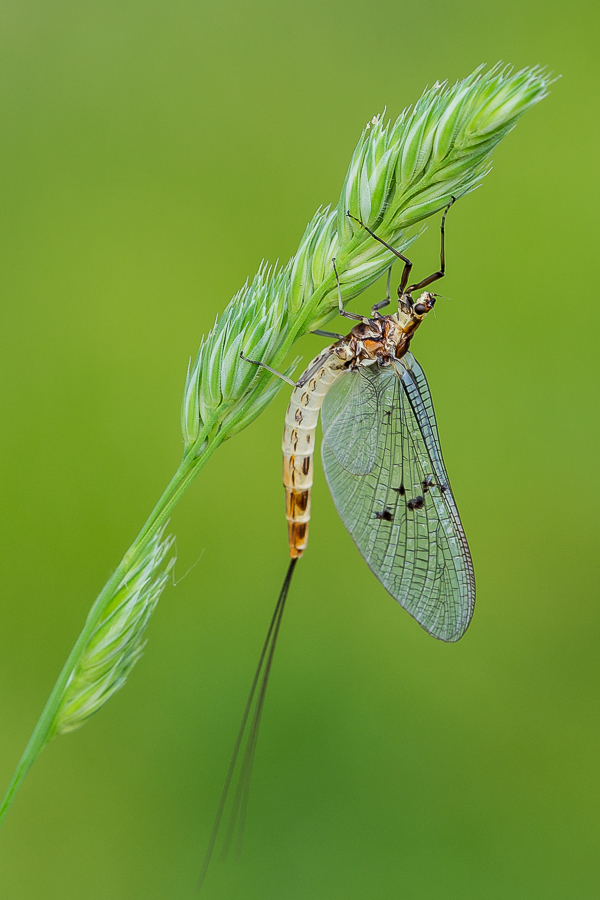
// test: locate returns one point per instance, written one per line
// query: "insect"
(383, 462)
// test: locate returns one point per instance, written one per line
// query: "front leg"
(407, 263)
(442, 269)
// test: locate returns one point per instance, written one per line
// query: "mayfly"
(383, 463)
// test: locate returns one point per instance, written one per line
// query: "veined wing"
(350, 421)
(401, 513)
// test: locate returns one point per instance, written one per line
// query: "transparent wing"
(350, 420)
(401, 513)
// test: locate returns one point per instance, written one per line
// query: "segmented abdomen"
(299, 442)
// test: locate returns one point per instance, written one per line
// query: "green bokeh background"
(151, 155)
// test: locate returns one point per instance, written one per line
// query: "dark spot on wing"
(400, 490)
(385, 515)
(427, 483)
(416, 503)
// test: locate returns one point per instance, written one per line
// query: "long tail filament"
(249, 731)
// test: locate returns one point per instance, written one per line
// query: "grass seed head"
(117, 642)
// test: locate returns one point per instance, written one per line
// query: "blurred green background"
(151, 155)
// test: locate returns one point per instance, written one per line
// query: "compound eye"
(420, 309)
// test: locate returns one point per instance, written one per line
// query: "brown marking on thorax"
(382, 339)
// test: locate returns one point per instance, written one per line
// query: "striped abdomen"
(299, 442)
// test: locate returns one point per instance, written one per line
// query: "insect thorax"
(384, 338)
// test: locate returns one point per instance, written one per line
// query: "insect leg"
(343, 312)
(442, 270)
(328, 334)
(263, 365)
(377, 306)
(407, 263)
